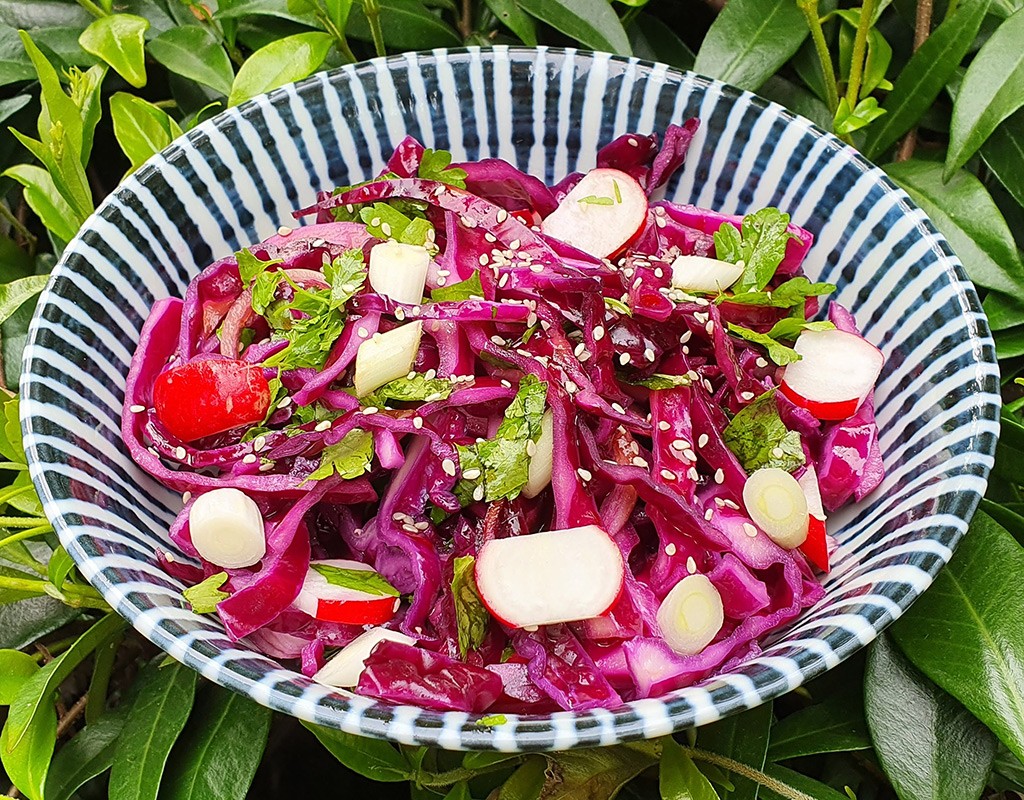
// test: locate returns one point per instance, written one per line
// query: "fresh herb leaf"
(434, 167)
(659, 381)
(760, 245)
(618, 191)
(203, 597)
(788, 328)
(759, 438)
(524, 414)
(346, 274)
(361, 580)
(463, 290)
(314, 412)
(308, 343)
(264, 289)
(349, 458)
(786, 295)
(492, 719)
(384, 221)
(471, 617)
(594, 200)
(406, 390)
(618, 305)
(249, 266)
(791, 327)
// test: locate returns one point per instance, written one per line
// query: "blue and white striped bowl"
(233, 180)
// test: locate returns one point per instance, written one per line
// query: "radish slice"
(399, 271)
(777, 505)
(815, 546)
(542, 461)
(550, 577)
(386, 357)
(691, 615)
(836, 371)
(344, 669)
(329, 602)
(227, 529)
(705, 275)
(605, 211)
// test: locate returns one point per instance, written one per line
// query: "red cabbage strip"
(449, 311)
(502, 184)
(342, 354)
(453, 354)
(405, 161)
(673, 152)
(560, 666)
(216, 285)
(574, 505)
(673, 440)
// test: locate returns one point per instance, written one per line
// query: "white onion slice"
(399, 271)
(386, 357)
(344, 669)
(691, 615)
(777, 505)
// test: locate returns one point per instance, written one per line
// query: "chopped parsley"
(471, 617)
(786, 295)
(659, 381)
(249, 266)
(361, 580)
(788, 328)
(594, 200)
(463, 290)
(759, 438)
(203, 597)
(349, 458)
(760, 245)
(418, 388)
(434, 166)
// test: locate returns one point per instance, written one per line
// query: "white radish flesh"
(344, 669)
(322, 600)
(704, 275)
(399, 271)
(809, 485)
(836, 371)
(539, 475)
(603, 212)
(550, 577)
(691, 615)
(777, 505)
(386, 357)
(227, 528)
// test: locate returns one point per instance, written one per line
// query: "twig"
(746, 772)
(371, 9)
(466, 19)
(922, 29)
(73, 713)
(27, 235)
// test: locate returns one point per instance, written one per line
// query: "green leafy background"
(932, 90)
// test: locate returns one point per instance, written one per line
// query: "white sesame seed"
(700, 316)
(322, 426)
(668, 475)
(579, 349)
(430, 374)
(692, 474)
(471, 474)
(693, 375)
(417, 422)
(732, 505)
(478, 493)
(664, 426)
(180, 453)
(363, 333)
(421, 526)
(689, 455)
(659, 272)
(702, 440)
(537, 268)
(649, 354)
(483, 260)
(137, 409)
(680, 444)
(385, 228)
(708, 386)
(370, 410)
(502, 215)
(598, 333)
(761, 362)
(624, 359)
(585, 474)
(710, 327)
(442, 281)
(267, 466)
(719, 476)
(449, 467)
(153, 450)
(685, 337)
(249, 459)
(670, 549)
(659, 221)
(490, 237)
(617, 407)
(444, 273)
(640, 461)
(749, 529)
(503, 281)
(746, 395)
(417, 310)
(498, 340)
(778, 452)
(571, 387)
(633, 142)
(514, 244)
(709, 514)
(400, 313)
(284, 230)
(691, 565)
(186, 497)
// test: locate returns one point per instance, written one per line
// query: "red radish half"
(605, 211)
(555, 576)
(344, 668)
(815, 546)
(836, 371)
(323, 600)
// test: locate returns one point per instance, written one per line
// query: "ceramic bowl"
(234, 179)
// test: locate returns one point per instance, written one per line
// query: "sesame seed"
(266, 466)
(700, 316)
(746, 395)
(585, 474)
(322, 426)
(180, 453)
(761, 362)
(571, 387)
(153, 451)
(449, 467)
(710, 327)
(685, 337)
(664, 426)
(637, 282)
(375, 222)
(478, 493)
(702, 440)
(689, 455)
(749, 529)
(708, 386)
(498, 340)
(778, 452)
(417, 422)
(483, 260)
(430, 374)
(659, 272)
(579, 349)
(514, 244)
(531, 448)
(137, 409)
(537, 268)
(719, 476)
(370, 410)
(421, 526)
(363, 333)
(430, 398)
(668, 475)
(531, 320)
(680, 444)
(709, 514)
(506, 384)
(249, 459)
(686, 350)
(385, 228)
(640, 461)
(633, 142)
(624, 359)
(490, 238)
(284, 230)
(732, 505)
(692, 474)
(693, 375)
(649, 354)
(598, 333)
(503, 281)
(186, 497)
(471, 474)
(670, 549)
(502, 215)
(444, 273)
(691, 565)
(618, 408)
(400, 313)
(442, 281)
(417, 310)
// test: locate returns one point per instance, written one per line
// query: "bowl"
(234, 179)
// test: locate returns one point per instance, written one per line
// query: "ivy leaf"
(471, 617)
(204, 596)
(282, 61)
(193, 52)
(361, 580)
(140, 127)
(759, 438)
(119, 39)
(463, 290)
(349, 458)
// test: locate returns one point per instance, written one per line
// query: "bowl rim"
(530, 732)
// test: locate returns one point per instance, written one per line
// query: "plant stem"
(339, 37)
(453, 776)
(372, 11)
(23, 522)
(72, 595)
(466, 19)
(1015, 405)
(73, 714)
(25, 534)
(810, 9)
(746, 772)
(92, 8)
(19, 226)
(10, 494)
(860, 52)
(922, 29)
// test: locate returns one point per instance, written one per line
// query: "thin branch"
(810, 9)
(72, 715)
(27, 236)
(922, 29)
(744, 771)
(466, 19)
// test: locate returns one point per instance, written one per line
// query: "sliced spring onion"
(777, 505)
(226, 527)
(542, 460)
(691, 615)
(344, 669)
(386, 357)
(704, 275)
(399, 271)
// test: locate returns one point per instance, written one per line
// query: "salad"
(473, 442)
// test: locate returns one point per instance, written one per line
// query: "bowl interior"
(235, 179)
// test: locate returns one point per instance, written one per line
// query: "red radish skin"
(836, 371)
(320, 599)
(815, 546)
(601, 228)
(211, 396)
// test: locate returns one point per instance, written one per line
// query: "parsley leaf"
(786, 295)
(492, 719)
(759, 438)
(463, 290)
(434, 167)
(788, 328)
(791, 327)
(346, 274)
(384, 221)
(594, 200)
(203, 597)
(249, 266)
(618, 305)
(471, 617)
(264, 290)
(760, 244)
(659, 381)
(362, 580)
(406, 390)
(349, 458)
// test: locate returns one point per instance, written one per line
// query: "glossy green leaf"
(194, 53)
(795, 780)
(741, 737)
(526, 783)
(119, 39)
(103, 664)
(798, 100)
(992, 90)
(407, 25)
(217, 756)
(15, 668)
(1003, 311)
(13, 294)
(26, 756)
(372, 758)
(459, 791)
(595, 25)
(515, 19)
(750, 40)
(653, 40)
(57, 106)
(241, 9)
(679, 778)
(922, 79)
(141, 128)
(290, 59)
(929, 745)
(88, 754)
(965, 213)
(154, 723)
(597, 772)
(59, 567)
(22, 622)
(14, 63)
(1003, 153)
(62, 41)
(966, 632)
(46, 202)
(834, 725)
